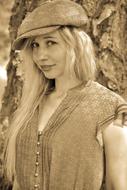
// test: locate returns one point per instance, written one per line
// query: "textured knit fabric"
(71, 151)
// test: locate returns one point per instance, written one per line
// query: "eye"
(34, 45)
(50, 43)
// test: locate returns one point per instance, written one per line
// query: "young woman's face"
(49, 53)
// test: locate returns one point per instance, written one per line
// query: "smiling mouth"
(47, 67)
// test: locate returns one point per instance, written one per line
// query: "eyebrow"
(49, 37)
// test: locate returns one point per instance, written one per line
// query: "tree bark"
(107, 28)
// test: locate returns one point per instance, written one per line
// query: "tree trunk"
(107, 28)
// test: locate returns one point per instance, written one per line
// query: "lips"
(47, 67)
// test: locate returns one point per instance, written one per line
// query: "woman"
(69, 132)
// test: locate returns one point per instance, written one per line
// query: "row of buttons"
(36, 174)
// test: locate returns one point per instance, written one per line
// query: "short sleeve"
(119, 110)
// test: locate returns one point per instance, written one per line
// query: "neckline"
(70, 93)
(80, 86)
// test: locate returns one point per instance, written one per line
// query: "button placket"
(36, 173)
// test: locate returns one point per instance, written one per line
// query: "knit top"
(69, 153)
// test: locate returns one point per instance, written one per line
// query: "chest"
(70, 145)
(47, 110)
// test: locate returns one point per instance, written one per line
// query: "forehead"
(52, 35)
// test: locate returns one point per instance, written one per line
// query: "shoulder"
(102, 101)
(109, 106)
(101, 90)
(105, 95)
(106, 103)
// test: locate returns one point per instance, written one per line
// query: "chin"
(51, 75)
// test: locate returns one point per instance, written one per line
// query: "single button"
(36, 174)
(37, 152)
(36, 186)
(37, 163)
(39, 133)
(38, 143)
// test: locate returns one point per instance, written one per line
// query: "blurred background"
(5, 12)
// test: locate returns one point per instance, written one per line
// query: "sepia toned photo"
(63, 95)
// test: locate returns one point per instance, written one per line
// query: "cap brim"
(19, 42)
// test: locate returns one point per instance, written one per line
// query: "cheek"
(60, 55)
(34, 56)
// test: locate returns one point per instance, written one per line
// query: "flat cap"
(48, 17)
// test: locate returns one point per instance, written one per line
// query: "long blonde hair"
(34, 85)
(82, 65)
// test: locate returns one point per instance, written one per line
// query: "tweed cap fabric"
(48, 17)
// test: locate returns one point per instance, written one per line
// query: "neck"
(62, 85)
